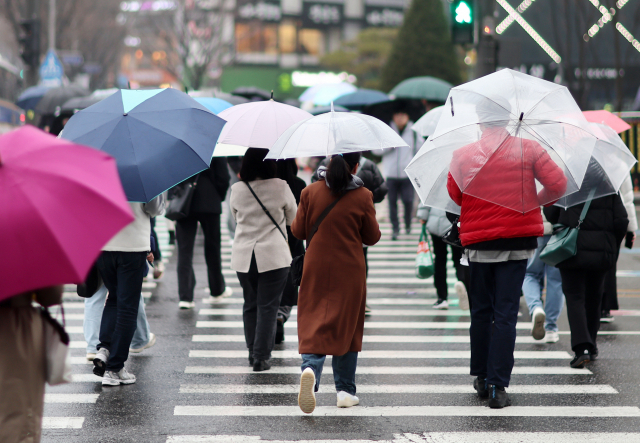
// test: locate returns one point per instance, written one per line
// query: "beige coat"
(255, 232)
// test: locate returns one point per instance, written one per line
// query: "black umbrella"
(233, 99)
(385, 110)
(252, 93)
(56, 97)
(78, 103)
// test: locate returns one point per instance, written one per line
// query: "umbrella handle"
(451, 101)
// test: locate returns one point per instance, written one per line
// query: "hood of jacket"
(356, 182)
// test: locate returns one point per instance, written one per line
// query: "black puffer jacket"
(370, 175)
(601, 232)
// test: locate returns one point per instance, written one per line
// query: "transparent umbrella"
(426, 125)
(508, 138)
(334, 133)
(610, 163)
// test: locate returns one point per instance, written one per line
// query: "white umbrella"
(426, 125)
(255, 125)
(335, 133)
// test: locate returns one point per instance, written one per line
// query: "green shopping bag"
(424, 260)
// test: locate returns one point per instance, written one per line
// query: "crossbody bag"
(266, 211)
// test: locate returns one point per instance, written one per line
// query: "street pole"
(52, 25)
(31, 74)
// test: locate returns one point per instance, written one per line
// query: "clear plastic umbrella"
(610, 163)
(508, 138)
(334, 133)
(426, 125)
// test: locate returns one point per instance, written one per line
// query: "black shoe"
(279, 330)
(261, 365)
(498, 397)
(580, 360)
(394, 236)
(408, 231)
(250, 359)
(99, 367)
(594, 354)
(480, 385)
(172, 237)
(606, 317)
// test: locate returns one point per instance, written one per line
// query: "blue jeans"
(344, 370)
(534, 282)
(93, 308)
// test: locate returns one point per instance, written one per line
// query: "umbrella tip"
(128, 85)
(521, 115)
(272, 94)
(332, 106)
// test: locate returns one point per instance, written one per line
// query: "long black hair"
(287, 170)
(339, 171)
(254, 165)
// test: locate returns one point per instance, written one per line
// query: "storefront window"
(311, 41)
(256, 37)
(287, 37)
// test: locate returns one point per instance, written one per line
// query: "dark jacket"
(296, 247)
(370, 175)
(602, 230)
(211, 188)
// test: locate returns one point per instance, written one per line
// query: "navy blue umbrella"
(30, 97)
(159, 137)
(362, 97)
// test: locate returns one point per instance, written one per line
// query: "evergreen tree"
(423, 47)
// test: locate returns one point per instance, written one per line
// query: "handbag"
(425, 267)
(563, 244)
(452, 236)
(91, 284)
(56, 342)
(180, 200)
(297, 264)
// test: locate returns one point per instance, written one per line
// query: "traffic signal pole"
(488, 45)
(30, 43)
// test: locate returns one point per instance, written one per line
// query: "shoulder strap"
(322, 217)
(583, 214)
(266, 211)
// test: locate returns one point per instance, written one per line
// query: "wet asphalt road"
(431, 391)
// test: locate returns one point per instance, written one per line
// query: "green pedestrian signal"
(462, 21)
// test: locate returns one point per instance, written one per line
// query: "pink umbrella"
(607, 118)
(255, 125)
(60, 203)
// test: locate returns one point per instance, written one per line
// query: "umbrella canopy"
(502, 137)
(335, 133)
(324, 94)
(56, 97)
(610, 163)
(159, 137)
(385, 110)
(233, 99)
(324, 109)
(78, 103)
(422, 88)
(59, 200)
(215, 105)
(252, 93)
(362, 97)
(607, 118)
(30, 97)
(426, 125)
(255, 125)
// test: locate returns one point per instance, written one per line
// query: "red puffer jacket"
(506, 177)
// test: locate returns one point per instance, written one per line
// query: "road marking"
(627, 273)
(215, 338)
(62, 422)
(394, 389)
(79, 361)
(74, 329)
(77, 344)
(555, 355)
(387, 370)
(367, 325)
(74, 296)
(378, 312)
(71, 398)
(412, 411)
(86, 378)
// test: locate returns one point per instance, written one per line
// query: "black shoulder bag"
(180, 197)
(266, 211)
(297, 264)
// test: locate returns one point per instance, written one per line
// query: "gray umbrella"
(56, 97)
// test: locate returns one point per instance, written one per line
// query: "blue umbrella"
(362, 97)
(30, 97)
(324, 94)
(215, 105)
(159, 137)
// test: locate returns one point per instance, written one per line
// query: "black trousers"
(494, 313)
(186, 236)
(583, 292)
(400, 187)
(262, 293)
(610, 296)
(440, 251)
(122, 274)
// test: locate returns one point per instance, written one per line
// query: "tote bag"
(56, 342)
(424, 260)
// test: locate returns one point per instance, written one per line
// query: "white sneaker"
(152, 341)
(551, 337)
(118, 378)
(537, 318)
(306, 395)
(90, 356)
(228, 292)
(346, 400)
(100, 362)
(441, 304)
(463, 297)
(187, 305)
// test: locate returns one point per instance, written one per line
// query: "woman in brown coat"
(333, 293)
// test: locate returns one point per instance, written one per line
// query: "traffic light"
(462, 21)
(30, 42)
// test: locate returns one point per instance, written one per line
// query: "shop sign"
(259, 10)
(383, 16)
(321, 14)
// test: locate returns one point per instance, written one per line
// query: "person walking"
(206, 207)
(583, 275)
(394, 161)
(498, 242)
(122, 266)
(438, 224)
(23, 364)
(331, 303)
(610, 297)
(544, 316)
(288, 171)
(263, 206)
